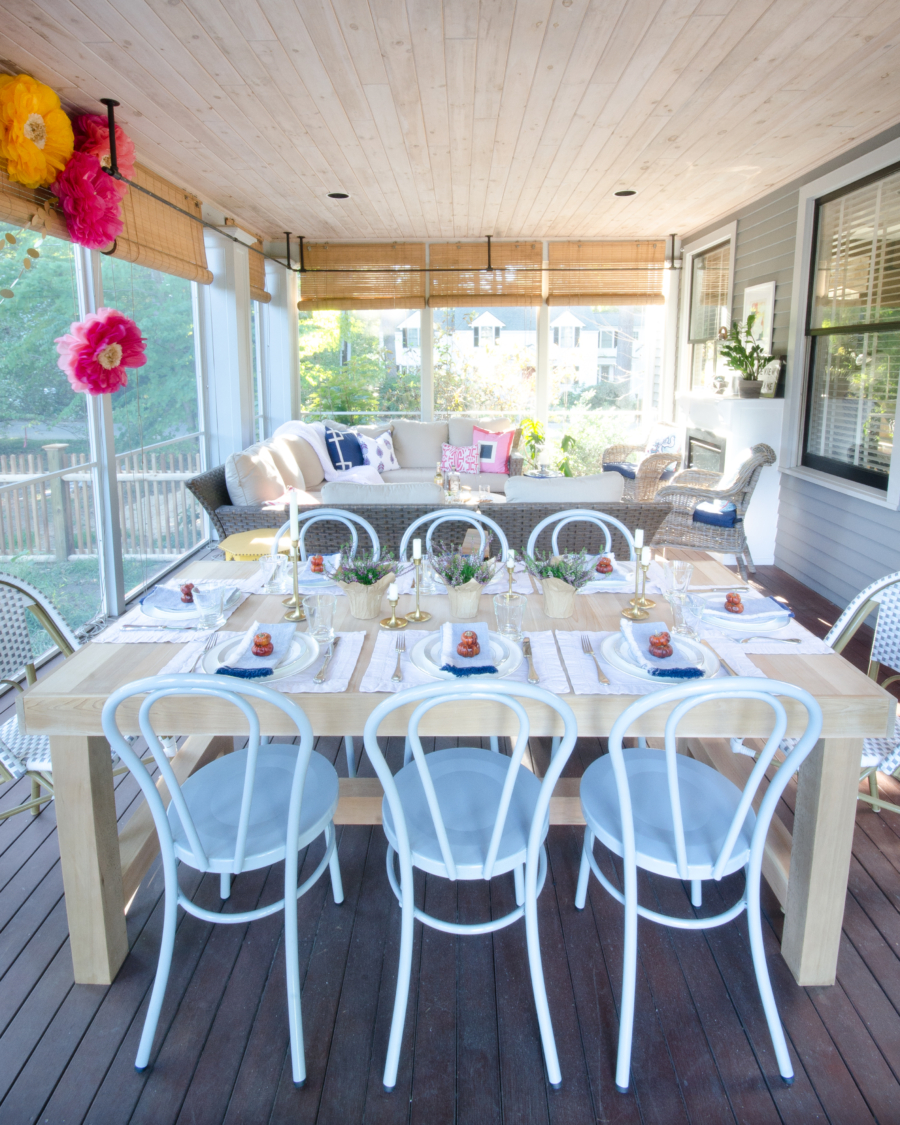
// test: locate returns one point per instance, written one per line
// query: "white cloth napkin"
(583, 671)
(758, 608)
(377, 677)
(161, 632)
(242, 659)
(682, 663)
(464, 666)
(337, 678)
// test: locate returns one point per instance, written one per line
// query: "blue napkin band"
(245, 673)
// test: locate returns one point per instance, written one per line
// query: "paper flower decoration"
(92, 136)
(35, 134)
(90, 201)
(96, 351)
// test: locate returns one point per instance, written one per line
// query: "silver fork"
(210, 644)
(588, 649)
(778, 640)
(397, 677)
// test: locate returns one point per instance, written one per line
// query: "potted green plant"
(464, 576)
(743, 354)
(561, 577)
(364, 581)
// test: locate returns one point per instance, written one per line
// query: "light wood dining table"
(103, 866)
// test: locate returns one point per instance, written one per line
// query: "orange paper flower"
(35, 134)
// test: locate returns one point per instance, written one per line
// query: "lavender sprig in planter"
(464, 576)
(561, 576)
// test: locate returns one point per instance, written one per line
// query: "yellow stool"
(247, 546)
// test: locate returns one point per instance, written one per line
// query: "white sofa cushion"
(418, 444)
(492, 481)
(566, 490)
(286, 453)
(345, 492)
(461, 428)
(252, 476)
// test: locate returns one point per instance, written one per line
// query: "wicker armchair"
(643, 478)
(709, 518)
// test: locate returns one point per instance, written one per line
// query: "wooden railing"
(47, 504)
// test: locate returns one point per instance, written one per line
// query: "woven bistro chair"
(22, 754)
(708, 516)
(657, 461)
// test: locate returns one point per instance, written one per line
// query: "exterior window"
(568, 336)
(410, 337)
(485, 334)
(710, 276)
(608, 340)
(854, 330)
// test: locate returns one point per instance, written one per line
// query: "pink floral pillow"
(493, 449)
(462, 458)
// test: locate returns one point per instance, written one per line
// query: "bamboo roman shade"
(258, 274)
(379, 275)
(606, 273)
(514, 280)
(159, 238)
(19, 205)
(857, 267)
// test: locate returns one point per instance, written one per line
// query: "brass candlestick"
(640, 600)
(417, 614)
(637, 612)
(393, 622)
(509, 575)
(295, 611)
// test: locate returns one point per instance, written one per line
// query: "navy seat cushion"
(624, 467)
(343, 449)
(628, 470)
(716, 513)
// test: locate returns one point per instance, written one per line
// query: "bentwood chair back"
(468, 813)
(580, 515)
(441, 517)
(243, 811)
(334, 515)
(669, 814)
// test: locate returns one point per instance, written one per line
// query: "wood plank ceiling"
(464, 118)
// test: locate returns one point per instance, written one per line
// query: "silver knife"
(319, 677)
(533, 677)
(177, 628)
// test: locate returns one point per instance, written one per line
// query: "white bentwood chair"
(241, 812)
(468, 813)
(436, 519)
(580, 515)
(332, 515)
(669, 814)
(349, 520)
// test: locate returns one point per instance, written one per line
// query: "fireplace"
(705, 450)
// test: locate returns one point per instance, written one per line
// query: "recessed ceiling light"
(627, 191)
(338, 195)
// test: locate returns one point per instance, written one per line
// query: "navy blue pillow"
(716, 513)
(624, 467)
(343, 449)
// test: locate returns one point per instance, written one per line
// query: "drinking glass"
(320, 616)
(676, 579)
(429, 583)
(510, 611)
(693, 608)
(209, 601)
(272, 568)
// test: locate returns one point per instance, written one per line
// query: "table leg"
(89, 855)
(824, 819)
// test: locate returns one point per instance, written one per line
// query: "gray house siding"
(832, 542)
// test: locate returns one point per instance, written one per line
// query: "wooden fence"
(54, 517)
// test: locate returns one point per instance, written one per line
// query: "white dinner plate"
(755, 625)
(304, 651)
(613, 650)
(189, 613)
(426, 656)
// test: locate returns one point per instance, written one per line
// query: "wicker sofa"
(391, 520)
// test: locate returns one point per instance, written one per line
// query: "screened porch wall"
(833, 542)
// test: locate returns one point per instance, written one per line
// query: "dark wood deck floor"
(472, 1053)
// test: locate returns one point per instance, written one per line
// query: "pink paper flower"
(90, 201)
(92, 136)
(96, 351)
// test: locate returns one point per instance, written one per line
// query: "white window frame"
(689, 251)
(798, 352)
